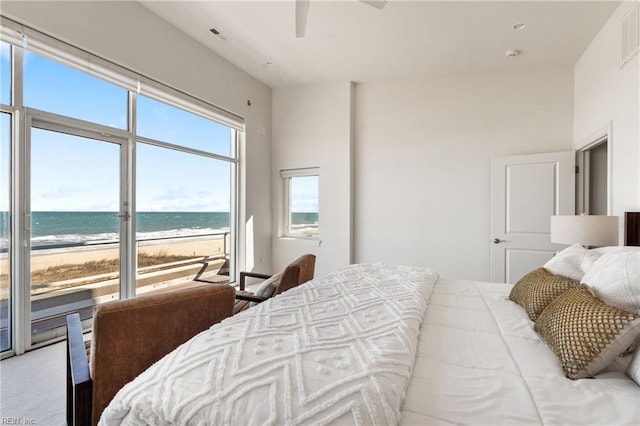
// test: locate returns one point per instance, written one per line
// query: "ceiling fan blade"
(302, 12)
(378, 4)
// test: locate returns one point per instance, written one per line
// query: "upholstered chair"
(130, 335)
(298, 272)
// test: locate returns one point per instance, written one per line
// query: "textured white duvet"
(337, 350)
(480, 362)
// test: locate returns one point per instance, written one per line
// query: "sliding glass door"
(75, 227)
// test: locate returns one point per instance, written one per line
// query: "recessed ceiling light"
(518, 26)
(512, 53)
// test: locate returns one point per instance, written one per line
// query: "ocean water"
(50, 228)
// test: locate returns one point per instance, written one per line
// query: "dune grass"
(99, 267)
(71, 271)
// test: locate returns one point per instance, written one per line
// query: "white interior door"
(526, 190)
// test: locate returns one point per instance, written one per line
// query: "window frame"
(22, 39)
(287, 175)
(4, 351)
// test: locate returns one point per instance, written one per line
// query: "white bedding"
(480, 362)
(339, 350)
(344, 348)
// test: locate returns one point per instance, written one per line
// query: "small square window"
(301, 202)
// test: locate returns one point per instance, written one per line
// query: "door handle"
(498, 241)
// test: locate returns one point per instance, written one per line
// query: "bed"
(490, 367)
(379, 344)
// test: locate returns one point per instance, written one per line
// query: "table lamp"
(594, 231)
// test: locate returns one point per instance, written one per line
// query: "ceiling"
(350, 41)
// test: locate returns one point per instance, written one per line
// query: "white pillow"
(615, 279)
(572, 262)
(267, 288)
(610, 249)
(633, 370)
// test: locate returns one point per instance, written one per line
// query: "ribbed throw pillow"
(615, 278)
(585, 333)
(537, 289)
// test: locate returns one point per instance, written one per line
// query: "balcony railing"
(55, 299)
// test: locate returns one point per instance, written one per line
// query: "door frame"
(581, 148)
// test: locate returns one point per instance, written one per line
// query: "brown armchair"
(298, 272)
(130, 335)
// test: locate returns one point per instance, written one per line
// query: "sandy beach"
(77, 255)
(43, 259)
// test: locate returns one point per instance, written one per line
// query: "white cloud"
(305, 206)
(181, 198)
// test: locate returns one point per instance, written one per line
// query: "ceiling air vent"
(219, 34)
(630, 34)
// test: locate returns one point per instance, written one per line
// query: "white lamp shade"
(585, 230)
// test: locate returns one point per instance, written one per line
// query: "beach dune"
(78, 255)
(202, 247)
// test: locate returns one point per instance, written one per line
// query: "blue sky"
(5, 80)
(4, 164)
(304, 194)
(81, 174)
(5, 74)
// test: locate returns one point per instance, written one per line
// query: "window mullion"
(21, 234)
(20, 268)
(234, 217)
(128, 252)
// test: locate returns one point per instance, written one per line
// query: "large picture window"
(125, 187)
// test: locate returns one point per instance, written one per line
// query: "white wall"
(422, 146)
(422, 161)
(606, 94)
(130, 35)
(312, 128)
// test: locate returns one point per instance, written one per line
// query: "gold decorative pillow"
(585, 333)
(537, 289)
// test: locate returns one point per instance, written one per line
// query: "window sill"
(308, 241)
